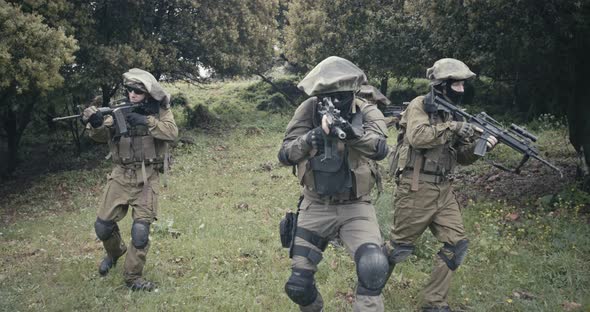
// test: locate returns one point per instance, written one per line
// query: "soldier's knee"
(453, 255)
(105, 229)
(140, 232)
(400, 252)
(372, 267)
(301, 287)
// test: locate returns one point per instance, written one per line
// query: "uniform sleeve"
(163, 127)
(419, 132)
(373, 143)
(295, 148)
(465, 152)
(100, 134)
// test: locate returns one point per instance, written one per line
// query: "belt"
(427, 177)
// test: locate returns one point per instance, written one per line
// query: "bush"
(277, 102)
(198, 117)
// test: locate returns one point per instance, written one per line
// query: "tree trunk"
(383, 87)
(13, 139)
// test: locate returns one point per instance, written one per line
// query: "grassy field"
(215, 246)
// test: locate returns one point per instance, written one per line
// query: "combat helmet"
(448, 68)
(334, 74)
(143, 80)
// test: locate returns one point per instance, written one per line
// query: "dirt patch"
(520, 190)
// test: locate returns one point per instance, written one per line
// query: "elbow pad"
(381, 150)
(284, 157)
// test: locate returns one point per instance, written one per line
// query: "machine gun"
(515, 137)
(335, 123)
(118, 112)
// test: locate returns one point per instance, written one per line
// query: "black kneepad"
(301, 287)
(372, 269)
(140, 233)
(104, 229)
(458, 251)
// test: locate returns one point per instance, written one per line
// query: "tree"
(31, 55)
(381, 37)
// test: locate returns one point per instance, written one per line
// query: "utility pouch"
(286, 229)
(331, 176)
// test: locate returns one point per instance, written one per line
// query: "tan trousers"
(124, 189)
(355, 223)
(433, 206)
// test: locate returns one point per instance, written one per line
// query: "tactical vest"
(438, 161)
(348, 175)
(138, 148)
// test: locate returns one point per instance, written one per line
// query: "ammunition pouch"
(137, 149)
(331, 176)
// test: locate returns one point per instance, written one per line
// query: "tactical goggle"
(134, 90)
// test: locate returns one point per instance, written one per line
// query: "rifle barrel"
(65, 118)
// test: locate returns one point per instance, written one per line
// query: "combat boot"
(141, 284)
(106, 264)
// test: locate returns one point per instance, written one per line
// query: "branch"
(291, 100)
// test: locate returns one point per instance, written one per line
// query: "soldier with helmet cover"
(139, 157)
(432, 141)
(337, 174)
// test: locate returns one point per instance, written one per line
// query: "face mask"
(343, 102)
(454, 96)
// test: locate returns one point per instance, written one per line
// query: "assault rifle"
(515, 137)
(335, 123)
(394, 111)
(117, 111)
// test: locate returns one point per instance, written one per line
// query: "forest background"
(232, 67)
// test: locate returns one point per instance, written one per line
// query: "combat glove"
(463, 129)
(93, 116)
(135, 119)
(315, 139)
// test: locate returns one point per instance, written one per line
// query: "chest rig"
(434, 165)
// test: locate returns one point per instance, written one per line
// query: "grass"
(215, 246)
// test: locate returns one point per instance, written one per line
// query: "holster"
(286, 228)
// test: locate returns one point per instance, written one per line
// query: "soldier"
(337, 176)
(432, 142)
(138, 158)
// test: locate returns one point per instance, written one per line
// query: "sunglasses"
(136, 91)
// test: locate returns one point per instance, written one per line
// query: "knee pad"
(105, 229)
(140, 233)
(372, 269)
(457, 253)
(400, 252)
(301, 287)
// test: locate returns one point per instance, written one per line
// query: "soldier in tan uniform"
(431, 143)
(337, 176)
(139, 157)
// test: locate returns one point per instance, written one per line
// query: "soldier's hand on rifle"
(315, 139)
(464, 129)
(135, 119)
(108, 121)
(325, 124)
(491, 142)
(93, 116)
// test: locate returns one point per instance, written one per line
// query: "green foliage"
(215, 246)
(375, 30)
